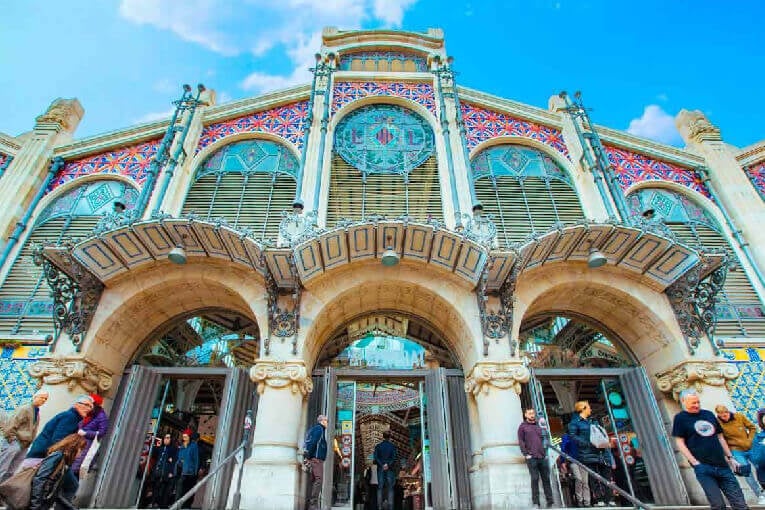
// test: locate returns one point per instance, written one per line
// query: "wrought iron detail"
(297, 227)
(75, 292)
(479, 228)
(282, 322)
(496, 324)
(694, 298)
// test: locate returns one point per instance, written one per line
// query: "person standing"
(700, 440)
(371, 479)
(738, 432)
(17, 433)
(385, 456)
(596, 459)
(163, 474)
(315, 453)
(532, 443)
(188, 465)
(93, 426)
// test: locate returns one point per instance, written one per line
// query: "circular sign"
(346, 462)
(346, 450)
(629, 459)
(615, 398)
(384, 139)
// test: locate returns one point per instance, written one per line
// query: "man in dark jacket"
(64, 423)
(315, 453)
(532, 443)
(385, 456)
(163, 475)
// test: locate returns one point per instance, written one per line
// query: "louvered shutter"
(26, 284)
(531, 205)
(254, 201)
(383, 194)
(737, 293)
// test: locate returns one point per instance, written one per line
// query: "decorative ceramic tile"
(16, 385)
(482, 124)
(375, 58)
(287, 121)
(345, 92)
(631, 168)
(756, 174)
(748, 390)
(132, 161)
(5, 160)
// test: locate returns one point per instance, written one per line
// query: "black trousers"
(538, 469)
(599, 490)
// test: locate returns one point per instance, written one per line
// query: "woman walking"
(47, 482)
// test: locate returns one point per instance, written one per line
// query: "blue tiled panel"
(16, 385)
(748, 390)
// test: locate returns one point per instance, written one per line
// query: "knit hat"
(84, 399)
(97, 399)
(188, 432)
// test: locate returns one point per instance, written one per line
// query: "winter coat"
(46, 484)
(738, 432)
(579, 430)
(21, 426)
(188, 458)
(95, 427)
(316, 443)
(60, 426)
(760, 418)
(164, 467)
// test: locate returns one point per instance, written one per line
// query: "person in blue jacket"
(599, 460)
(315, 453)
(188, 465)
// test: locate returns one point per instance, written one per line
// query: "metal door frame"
(172, 373)
(646, 419)
(332, 376)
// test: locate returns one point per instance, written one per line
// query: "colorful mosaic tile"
(631, 168)
(16, 385)
(748, 390)
(347, 59)
(345, 92)
(756, 174)
(5, 160)
(287, 121)
(132, 161)
(482, 124)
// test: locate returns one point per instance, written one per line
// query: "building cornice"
(656, 150)
(432, 39)
(9, 144)
(511, 107)
(243, 107)
(111, 140)
(752, 154)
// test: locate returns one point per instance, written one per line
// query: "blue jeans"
(716, 481)
(385, 480)
(743, 459)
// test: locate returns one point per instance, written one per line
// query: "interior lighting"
(389, 257)
(596, 258)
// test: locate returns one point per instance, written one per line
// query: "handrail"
(242, 447)
(632, 499)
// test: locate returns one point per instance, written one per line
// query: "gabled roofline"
(752, 154)
(432, 39)
(9, 144)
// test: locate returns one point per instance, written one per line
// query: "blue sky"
(637, 63)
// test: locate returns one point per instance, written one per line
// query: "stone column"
(67, 377)
(495, 387)
(27, 171)
(710, 379)
(728, 180)
(271, 474)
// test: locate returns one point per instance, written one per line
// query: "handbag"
(16, 491)
(88, 460)
(598, 437)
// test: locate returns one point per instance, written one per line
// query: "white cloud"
(259, 26)
(663, 97)
(656, 124)
(154, 116)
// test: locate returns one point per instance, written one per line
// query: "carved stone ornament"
(281, 374)
(499, 375)
(696, 126)
(72, 371)
(61, 112)
(696, 375)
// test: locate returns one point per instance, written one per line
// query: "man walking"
(18, 431)
(385, 457)
(738, 432)
(531, 441)
(699, 438)
(164, 472)
(315, 454)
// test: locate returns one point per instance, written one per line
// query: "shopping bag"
(598, 436)
(16, 491)
(88, 460)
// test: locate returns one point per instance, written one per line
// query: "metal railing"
(608, 483)
(243, 447)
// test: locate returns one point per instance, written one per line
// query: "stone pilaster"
(27, 171)
(728, 180)
(502, 478)
(282, 386)
(67, 377)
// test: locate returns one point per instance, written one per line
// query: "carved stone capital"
(281, 374)
(695, 127)
(72, 371)
(63, 113)
(696, 375)
(499, 375)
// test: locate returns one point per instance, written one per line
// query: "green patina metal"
(516, 161)
(249, 157)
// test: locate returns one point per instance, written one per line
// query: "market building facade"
(392, 250)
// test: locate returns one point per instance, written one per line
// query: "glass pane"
(343, 444)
